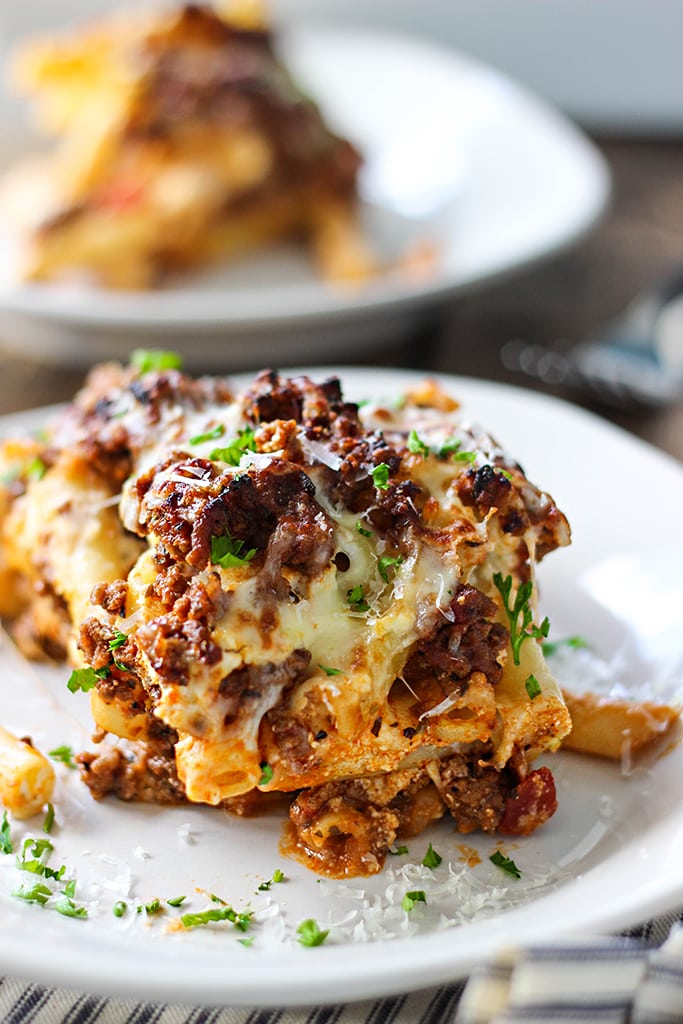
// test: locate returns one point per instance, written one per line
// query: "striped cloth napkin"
(636, 978)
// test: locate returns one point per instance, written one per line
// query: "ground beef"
(145, 773)
(251, 682)
(472, 642)
(111, 596)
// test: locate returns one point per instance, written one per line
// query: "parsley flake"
(398, 851)
(266, 774)
(119, 908)
(519, 608)
(64, 755)
(36, 469)
(361, 529)
(49, 819)
(355, 598)
(411, 898)
(310, 934)
(550, 646)
(415, 445)
(227, 552)
(431, 859)
(533, 687)
(386, 563)
(86, 678)
(380, 476)
(147, 359)
(278, 876)
(210, 435)
(233, 451)
(247, 942)
(66, 906)
(5, 840)
(329, 671)
(118, 640)
(204, 917)
(505, 864)
(176, 901)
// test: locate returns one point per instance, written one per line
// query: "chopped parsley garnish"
(65, 905)
(147, 359)
(329, 671)
(119, 908)
(233, 451)
(450, 446)
(36, 469)
(380, 476)
(85, 678)
(310, 934)
(398, 851)
(118, 640)
(64, 755)
(210, 435)
(37, 893)
(468, 456)
(247, 942)
(241, 921)
(361, 529)
(49, 819)
(266, 774)
(227, 552)
(5, 839)
(505, 864)
(355, 598)
(153, 907)
(533, 687)
(415, 445)
(519, 608)
(431, 859)
(176, 901)
(278, 876)
(386, 563)
(550, 646)
(411, 898)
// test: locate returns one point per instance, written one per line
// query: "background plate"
(609, 857)
(457, 155)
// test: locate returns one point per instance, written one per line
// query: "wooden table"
(565, 299)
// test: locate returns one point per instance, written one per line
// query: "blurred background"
(614, 69)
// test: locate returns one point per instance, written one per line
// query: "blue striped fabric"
(636, 978)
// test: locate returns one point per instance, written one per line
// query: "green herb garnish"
(505, 864)
(533, 687)
(118, 640)
(329, 671)
(411, 898)
(550, 646)
(361, 529)
(266, 774)
(415, 445)
(519, 608)
(119, 908)
(6, 845)
(398, 851)
(278, 876)
(356, 599)
(227, 552)
(176, 901)
(232, 453)
(380, 476)
(210, 435)
(148, 359)
(85, 678)
(49, 819)
(247, 942)
(241, 921)
(36, 469)
(431, 859)
(64, 755)
(386, 563)
(310, 934)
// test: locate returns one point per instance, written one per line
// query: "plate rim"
(377, 977)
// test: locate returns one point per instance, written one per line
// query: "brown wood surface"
(564, 300)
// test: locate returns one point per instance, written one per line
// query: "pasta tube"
(26, 776)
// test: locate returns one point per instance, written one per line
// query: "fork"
(635, 361)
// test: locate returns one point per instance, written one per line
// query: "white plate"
(456, 154)
(609, 858)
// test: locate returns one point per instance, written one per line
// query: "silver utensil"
(637, 360)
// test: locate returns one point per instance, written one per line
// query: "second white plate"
(457, 156)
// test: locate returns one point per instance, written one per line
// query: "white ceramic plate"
(456, 154)
(609, 858)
